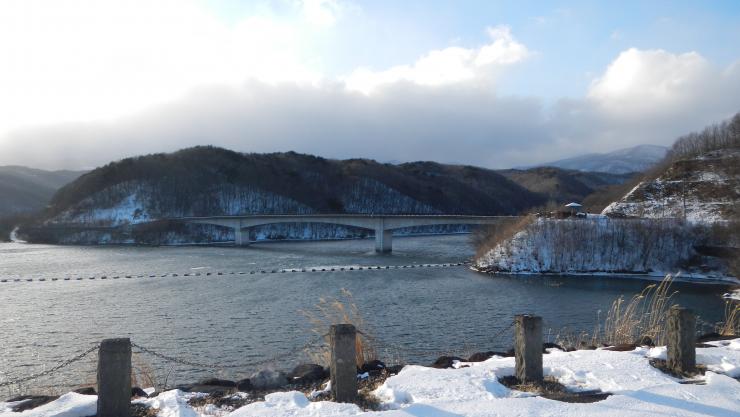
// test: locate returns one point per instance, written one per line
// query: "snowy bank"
(473, 389)
(600, 245)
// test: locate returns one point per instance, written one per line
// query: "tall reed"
(731, 324)
(340, 310)
(643, 315)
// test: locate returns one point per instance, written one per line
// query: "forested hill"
(210, 181)
(207, 181)
(24, 190)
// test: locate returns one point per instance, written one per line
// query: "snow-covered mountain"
(700, 189)
(636, 159)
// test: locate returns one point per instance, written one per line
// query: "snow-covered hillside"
(473, 389)
(129, 195)
(139, 202)
(133, 203)
(701, 189)
(596, 245)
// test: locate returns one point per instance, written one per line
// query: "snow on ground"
(473, 390)
(68, 405)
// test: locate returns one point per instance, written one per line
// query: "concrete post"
(343, 362)
(528, 348)
(681, 340)
(114, 378)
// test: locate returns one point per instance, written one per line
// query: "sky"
(489, 83)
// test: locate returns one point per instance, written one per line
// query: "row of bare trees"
(723, 135)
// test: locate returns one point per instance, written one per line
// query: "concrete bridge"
(383, 225)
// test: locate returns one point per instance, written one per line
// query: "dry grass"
(340, 310)
(552, 389)
(643, 315)
(143, 374)
(570, 339)
(731, 324)
(486, 239)
(627, 321)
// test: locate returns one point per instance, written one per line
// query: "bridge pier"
(241, 236)
(383, 241)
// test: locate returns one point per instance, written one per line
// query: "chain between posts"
(51, 370)
(410, 351)
(187, 362)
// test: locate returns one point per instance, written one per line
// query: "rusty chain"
(212, 366)
(255, 364)
(51, 370)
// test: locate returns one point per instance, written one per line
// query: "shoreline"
(654, 276)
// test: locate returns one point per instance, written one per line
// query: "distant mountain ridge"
(210, 181)
(562, 185)
(622, 161)
(24, 190)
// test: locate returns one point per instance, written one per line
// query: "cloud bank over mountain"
(254, 86)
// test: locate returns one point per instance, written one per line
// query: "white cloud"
(77, 60)
(647, 96)
(643, 81)
(452, 122)
(84, 82)
(321, 12)
(446, 66)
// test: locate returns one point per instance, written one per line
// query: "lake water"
(415, 313)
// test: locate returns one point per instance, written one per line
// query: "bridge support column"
(241, 236)
(383, 241)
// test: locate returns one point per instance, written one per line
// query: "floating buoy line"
(253, 272)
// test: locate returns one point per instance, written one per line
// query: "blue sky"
(573, 40)
(491, 83)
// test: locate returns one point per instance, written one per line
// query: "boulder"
(244, 385)
(214, 390)
(86, 391)
(446, 361)
(394, 369)
(481, 356)
(308, 372)
(645, 341)
(29, 402)
(138, 392)
(712, 337)
(624, 347)
(373, 368)
(268, 379)
(548, 345)
(708, 337)
(217, 382)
